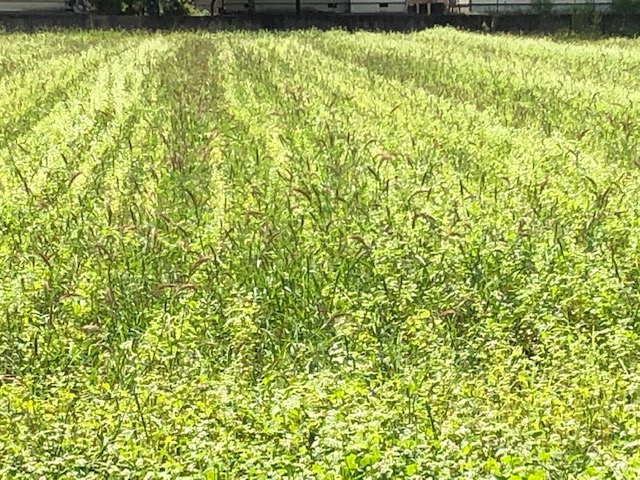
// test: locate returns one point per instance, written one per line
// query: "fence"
(605, 23)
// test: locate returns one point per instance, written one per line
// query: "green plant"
(625, 6)
(542, 6)
(319, 255)
(146, 7)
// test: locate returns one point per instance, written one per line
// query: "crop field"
(319, 255)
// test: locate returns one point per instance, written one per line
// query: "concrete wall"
(525, 6)
(42, 6)
(607, 23)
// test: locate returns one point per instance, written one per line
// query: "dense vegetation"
(147, 7)
(319, 255)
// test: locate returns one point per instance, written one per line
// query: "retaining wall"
(602, 23)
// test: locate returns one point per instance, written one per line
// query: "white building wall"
(275, 6)
(287, 6)
(380, 6)
(335, 6)
(36, 6)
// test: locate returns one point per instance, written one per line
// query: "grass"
(319, 255)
